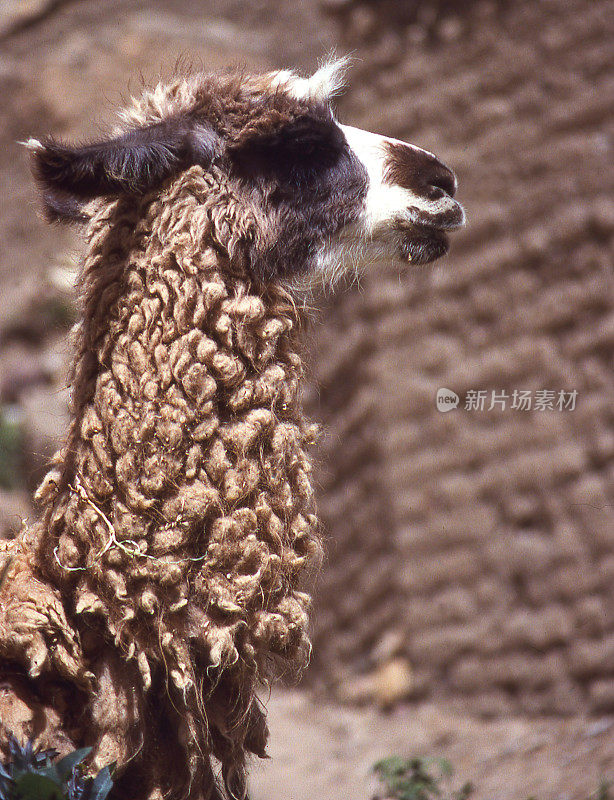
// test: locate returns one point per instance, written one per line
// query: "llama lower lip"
(423, 247)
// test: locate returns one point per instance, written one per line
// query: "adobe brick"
(564, 583)
(450, 605)
(567, 697)
(528, 553)
(441, 645)
(523, 669)
(490, 703)
(536, 702)
(540, 629)
(601, 695)
(467, 523)
(456, 566)
(592, 657)
(467, 675)
(492, 591)
(591, 617)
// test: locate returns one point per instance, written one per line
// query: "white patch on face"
(385, 202)
(387, 208)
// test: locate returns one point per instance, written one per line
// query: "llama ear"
(132, 163)
(322, 86)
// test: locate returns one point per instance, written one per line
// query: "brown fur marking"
(418, 171)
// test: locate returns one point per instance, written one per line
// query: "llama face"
(407, 209)
(323, 197)
(409, 206)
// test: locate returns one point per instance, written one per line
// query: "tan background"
(470, 568)
(480, 545)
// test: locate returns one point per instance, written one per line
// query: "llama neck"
(185, 476)
(181, 369)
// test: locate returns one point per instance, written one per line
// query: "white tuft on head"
(329, 79)
(33, 144)
(324, 84)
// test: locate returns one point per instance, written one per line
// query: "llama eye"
(299, 152)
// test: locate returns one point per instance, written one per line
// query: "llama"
(164, 581)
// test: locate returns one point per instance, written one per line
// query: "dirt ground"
(64, 66)
(324, 751)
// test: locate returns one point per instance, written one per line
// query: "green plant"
(417, 778)
(603, 792)
(11, 443)
(33, 775)
(422, 778)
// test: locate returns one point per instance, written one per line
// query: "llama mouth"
(450, 217)
(421, 244)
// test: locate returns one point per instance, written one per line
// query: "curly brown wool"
(162, 583)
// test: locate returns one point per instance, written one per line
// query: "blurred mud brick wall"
(476, 548)
(470, 554)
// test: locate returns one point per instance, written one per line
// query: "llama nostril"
(443, 180)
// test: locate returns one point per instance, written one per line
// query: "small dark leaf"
(101, 785)
(465, 792)
(67, 764)
(14, 748)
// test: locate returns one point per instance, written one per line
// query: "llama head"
(324, 198)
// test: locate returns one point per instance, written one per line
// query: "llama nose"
(419, 171)
(440, 180)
